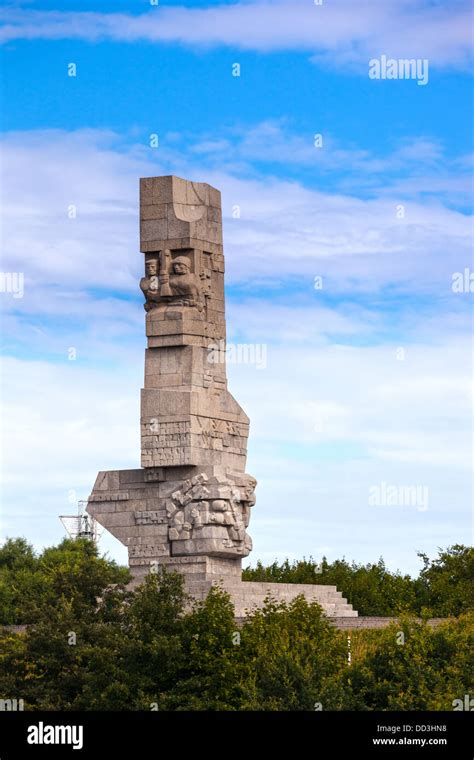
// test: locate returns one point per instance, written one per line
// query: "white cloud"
(341, 33)
(273, 141)
(364, 396)
(285, 232)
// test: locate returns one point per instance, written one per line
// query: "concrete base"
(344, 623)
(248, 595)
(202, 573)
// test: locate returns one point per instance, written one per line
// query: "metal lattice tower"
(82, 525)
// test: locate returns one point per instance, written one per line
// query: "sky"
(347, 206)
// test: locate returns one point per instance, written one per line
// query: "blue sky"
(381, 211)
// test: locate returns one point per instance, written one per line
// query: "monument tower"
(189, 505)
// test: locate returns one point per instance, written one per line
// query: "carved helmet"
(182, 260)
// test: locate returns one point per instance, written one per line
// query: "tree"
(19, 580)
(289, 654)
(446, 584)
(32, 585)
(411, 666)
(209, 677)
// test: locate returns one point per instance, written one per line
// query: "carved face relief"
(211, 514)
(181, 267)
(151, 268)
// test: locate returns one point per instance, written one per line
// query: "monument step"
(233, 581)
(262, 598)
(330, 611)
(247, 595)
(275, 590)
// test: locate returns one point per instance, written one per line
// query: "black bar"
(446, 734)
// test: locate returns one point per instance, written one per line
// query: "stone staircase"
(247, 595)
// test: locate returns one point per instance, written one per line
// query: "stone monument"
(188, 507)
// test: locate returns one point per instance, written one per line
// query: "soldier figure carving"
(180, 288)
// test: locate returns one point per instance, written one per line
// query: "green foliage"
(17, 554)
(31, 586)
(448, 581)
(93, 644)
(209, 677)
(19, 580)
(411, 666)
(289, 654)
(152, 649)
